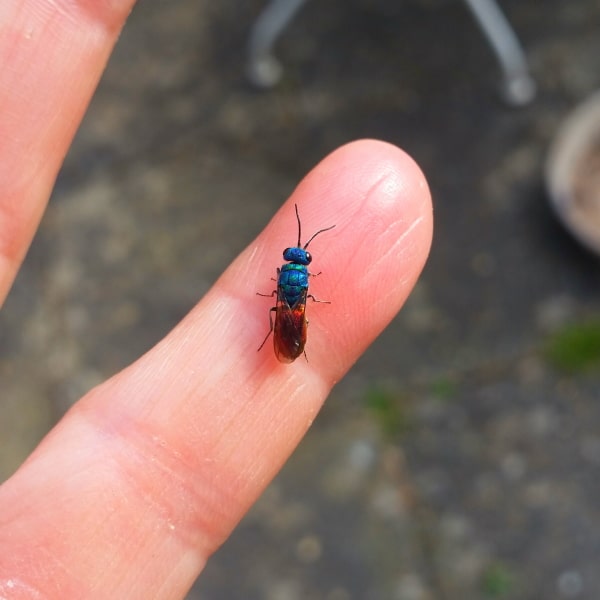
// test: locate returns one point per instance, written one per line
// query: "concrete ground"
(460, 457)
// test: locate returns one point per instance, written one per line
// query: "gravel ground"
(460, 457)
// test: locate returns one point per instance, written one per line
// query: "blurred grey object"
(518, 88)
(573, 173)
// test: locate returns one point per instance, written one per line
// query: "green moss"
(497, 581)
(390, 410)
(444, 389)
(575, 347)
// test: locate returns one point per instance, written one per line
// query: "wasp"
(290, 326)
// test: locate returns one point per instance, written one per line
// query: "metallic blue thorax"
(292, 282)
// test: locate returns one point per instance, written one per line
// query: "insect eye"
(308, 258)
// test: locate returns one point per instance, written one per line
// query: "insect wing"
(289, 335)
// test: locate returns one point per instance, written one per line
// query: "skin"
(145, 477)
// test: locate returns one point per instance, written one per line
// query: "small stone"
(570, 583)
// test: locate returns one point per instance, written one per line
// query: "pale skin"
(140, 482)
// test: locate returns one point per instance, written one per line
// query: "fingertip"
(379, 200)
(367, 180)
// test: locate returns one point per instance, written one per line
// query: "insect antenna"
(316, 234)
(299, 226)
(300, 231)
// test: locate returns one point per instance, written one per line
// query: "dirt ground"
(459, 459)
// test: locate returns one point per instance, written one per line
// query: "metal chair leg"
(518, 86)
(263, 69)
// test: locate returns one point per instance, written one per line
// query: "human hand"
(147, 475)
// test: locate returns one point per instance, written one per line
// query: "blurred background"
(460, 457)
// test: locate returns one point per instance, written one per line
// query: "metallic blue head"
(297, 255)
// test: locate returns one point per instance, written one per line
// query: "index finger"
(147, 475)
(51, 57)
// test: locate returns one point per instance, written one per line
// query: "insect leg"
(271, 310)
(272, 279)
(319, 301)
